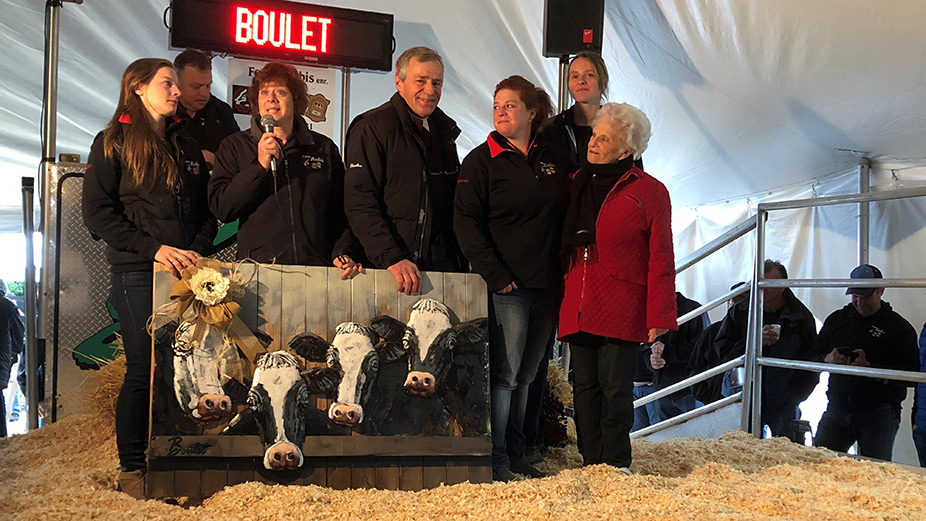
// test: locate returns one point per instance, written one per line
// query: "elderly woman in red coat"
(620, 281)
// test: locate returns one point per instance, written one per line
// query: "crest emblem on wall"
(318, 108)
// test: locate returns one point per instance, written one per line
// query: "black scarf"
(589, 190)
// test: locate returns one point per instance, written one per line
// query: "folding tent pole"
(32, 384)
(563, 83)
(864, 215)
(345, 108)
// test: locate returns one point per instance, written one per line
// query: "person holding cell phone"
(867, 332)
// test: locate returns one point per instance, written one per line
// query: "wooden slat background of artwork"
(285, 301)
(272, 302)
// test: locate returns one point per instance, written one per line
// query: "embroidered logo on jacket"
(355, 165)
(313, 162)
(547, 168)
(875, 331)
(192, 167)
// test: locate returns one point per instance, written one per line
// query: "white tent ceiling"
(745, 97)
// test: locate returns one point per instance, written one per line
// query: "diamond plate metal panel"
(82, 326)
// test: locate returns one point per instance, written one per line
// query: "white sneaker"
(625, 471)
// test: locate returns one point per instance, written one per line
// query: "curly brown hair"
(284, 74)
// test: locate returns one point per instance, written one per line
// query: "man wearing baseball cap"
(865, 333)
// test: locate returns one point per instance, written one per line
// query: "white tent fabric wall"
(749, 101)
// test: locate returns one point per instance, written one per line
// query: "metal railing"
(751, 415)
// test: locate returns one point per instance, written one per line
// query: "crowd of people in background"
(555, 212)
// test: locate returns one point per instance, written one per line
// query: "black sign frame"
(355, 39)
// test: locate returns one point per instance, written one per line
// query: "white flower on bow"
(209, 286)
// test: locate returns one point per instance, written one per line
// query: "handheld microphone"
(267, 123)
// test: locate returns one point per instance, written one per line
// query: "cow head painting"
(278, 398)
(353, 358)
(429, 340)
(198, 368)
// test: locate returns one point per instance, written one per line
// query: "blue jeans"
(521, 324)
(848, 420)
(670, 407)
(919, 435)
(131, 295)
(648, 414)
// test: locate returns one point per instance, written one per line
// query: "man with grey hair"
(402, 168)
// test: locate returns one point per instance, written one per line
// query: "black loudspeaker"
(571, 26)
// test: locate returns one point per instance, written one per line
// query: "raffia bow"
(203, 296)
(184, 294)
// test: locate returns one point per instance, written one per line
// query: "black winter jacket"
(509, 211)
(133, 222)
(12, 336)
(211, 125)
(309, 188)
(386, 192)
(678, 347)
(889, 342)
(782, 388)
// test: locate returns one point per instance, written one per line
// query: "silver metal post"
(32, 391)
(864, 215)
(53, 23)
(345, 107)
(751, 389)
(563, 102)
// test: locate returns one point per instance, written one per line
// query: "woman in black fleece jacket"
(508, 212)
(144, 194)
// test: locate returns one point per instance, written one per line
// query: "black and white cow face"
(352, 351)
(428, 341)
(352, 366)
(198, 366)
(429, 331)
(279, 398)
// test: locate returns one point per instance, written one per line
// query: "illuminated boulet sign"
(284, 31)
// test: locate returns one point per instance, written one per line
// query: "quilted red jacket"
(624, 285)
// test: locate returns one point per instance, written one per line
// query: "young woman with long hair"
(144, 194)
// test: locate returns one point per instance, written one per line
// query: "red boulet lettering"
(299, 32)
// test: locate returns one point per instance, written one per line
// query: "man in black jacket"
(668, 357)
(793, 339)
(865, 333)
(402, 168)
(210, 120)
(11, 345)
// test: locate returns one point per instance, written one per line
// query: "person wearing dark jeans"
(144, 194)
(131, 294)
(865, 333)
(521, 324)
(604, 370)
(508, 209)
(534, 419)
